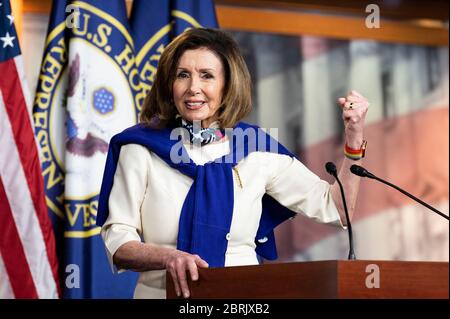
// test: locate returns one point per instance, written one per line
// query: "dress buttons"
(263, 240)
(228, 236)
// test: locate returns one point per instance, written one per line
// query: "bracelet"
(355, 154)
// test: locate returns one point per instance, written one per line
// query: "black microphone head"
(331, 168)
(359, 170)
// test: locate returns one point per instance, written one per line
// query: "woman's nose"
(194, 86)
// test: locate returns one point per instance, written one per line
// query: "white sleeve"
(294, 186)
(127, 194)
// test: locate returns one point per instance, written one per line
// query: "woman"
(160, 210)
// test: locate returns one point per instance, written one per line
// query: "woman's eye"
(207, 76)
(182, 75)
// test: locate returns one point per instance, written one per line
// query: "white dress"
(147, 197)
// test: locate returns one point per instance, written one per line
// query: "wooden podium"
(322, 279)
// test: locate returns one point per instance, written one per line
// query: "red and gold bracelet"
(355, 154)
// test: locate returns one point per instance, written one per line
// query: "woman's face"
(198, 86)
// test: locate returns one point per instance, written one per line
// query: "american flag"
(28, 264)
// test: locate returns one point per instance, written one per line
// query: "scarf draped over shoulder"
(207, 211)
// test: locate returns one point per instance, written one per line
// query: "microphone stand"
(361, 171)
(331, 169)
(409, 195)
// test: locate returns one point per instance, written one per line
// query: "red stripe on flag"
(12, 252)
(24, 138)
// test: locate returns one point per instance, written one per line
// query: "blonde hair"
(236, 99)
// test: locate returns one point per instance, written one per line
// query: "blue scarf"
(207, 211)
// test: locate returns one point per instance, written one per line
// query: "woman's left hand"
(354, 109)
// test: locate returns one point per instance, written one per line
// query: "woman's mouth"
(194, 105)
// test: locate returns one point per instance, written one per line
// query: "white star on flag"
(7, 40)
(11, 18)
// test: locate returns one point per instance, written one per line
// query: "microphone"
(361, 171)
(331, 169)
